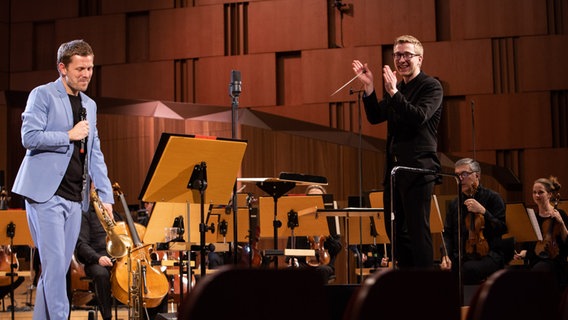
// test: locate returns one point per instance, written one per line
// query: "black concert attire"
(412, 116)
(91, 245)
(476, 268)
(543, 261)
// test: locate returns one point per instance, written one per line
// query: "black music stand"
(184, 166)
(362, 226)
(17, 233)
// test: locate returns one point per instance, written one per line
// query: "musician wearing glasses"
(412, 109)
(482, 226)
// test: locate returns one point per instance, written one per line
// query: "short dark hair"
(72, 48)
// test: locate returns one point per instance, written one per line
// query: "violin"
(476, 244)
(8, 260)
(321, 255)
(548, 248)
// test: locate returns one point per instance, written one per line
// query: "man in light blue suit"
(62, 160)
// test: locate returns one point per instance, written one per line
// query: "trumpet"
(117, 243)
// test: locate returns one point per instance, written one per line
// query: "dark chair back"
(235, 293)
(515, 294)
(406, 294)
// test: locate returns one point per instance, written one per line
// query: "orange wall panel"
(258, 74)
(26, 81)
(276, 26)
(325, 71)
(5, 47)
(473, 19)
(21, 45)
(113, 6)
(542, 163)
(153, 80)
(379, 22)
(43, 10)
(105, 34)
(511, 121)
(463, 67)
(542, 69)
(314, 113)
(186, 33)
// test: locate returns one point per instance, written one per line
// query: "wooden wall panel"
(3, 135)
(325, 71)
(111, 6)
(451, 63)
(379, 22)
(474, 19)
(154, 80)
(539, 163)
(105, 34)
(289, 82)
(454, 126)
(196, 32)
(43, 10)
(5, 47)
(4, 80)
(26, 81)
(517, 120)
(314, 113)
(258, 74)
(21, 47)
(539, 68)
(276, 26)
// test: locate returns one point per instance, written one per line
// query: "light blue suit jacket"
(45, 122)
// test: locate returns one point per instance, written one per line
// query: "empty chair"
(515, 294)
(406, 294)
(234, 293)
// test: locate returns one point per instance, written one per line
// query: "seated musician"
(550, 254)
(332, 245)
(482, 226)
(91, 251)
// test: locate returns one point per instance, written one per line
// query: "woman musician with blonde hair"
(550, 254)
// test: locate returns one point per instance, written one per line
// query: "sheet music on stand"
(534, 222)
(522, 223)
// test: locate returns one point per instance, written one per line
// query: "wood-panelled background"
(500, 62)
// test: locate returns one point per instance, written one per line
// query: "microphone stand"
(234, 92)
(11, 233)
(359, 170)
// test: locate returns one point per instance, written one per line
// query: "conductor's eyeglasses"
(465, 174)
(406, 55)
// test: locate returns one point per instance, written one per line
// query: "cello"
(134, 272)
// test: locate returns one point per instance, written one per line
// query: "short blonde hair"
(412, 40)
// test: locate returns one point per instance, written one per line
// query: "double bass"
(134, 272)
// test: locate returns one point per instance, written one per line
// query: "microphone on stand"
(235, 85)
(83, 117)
